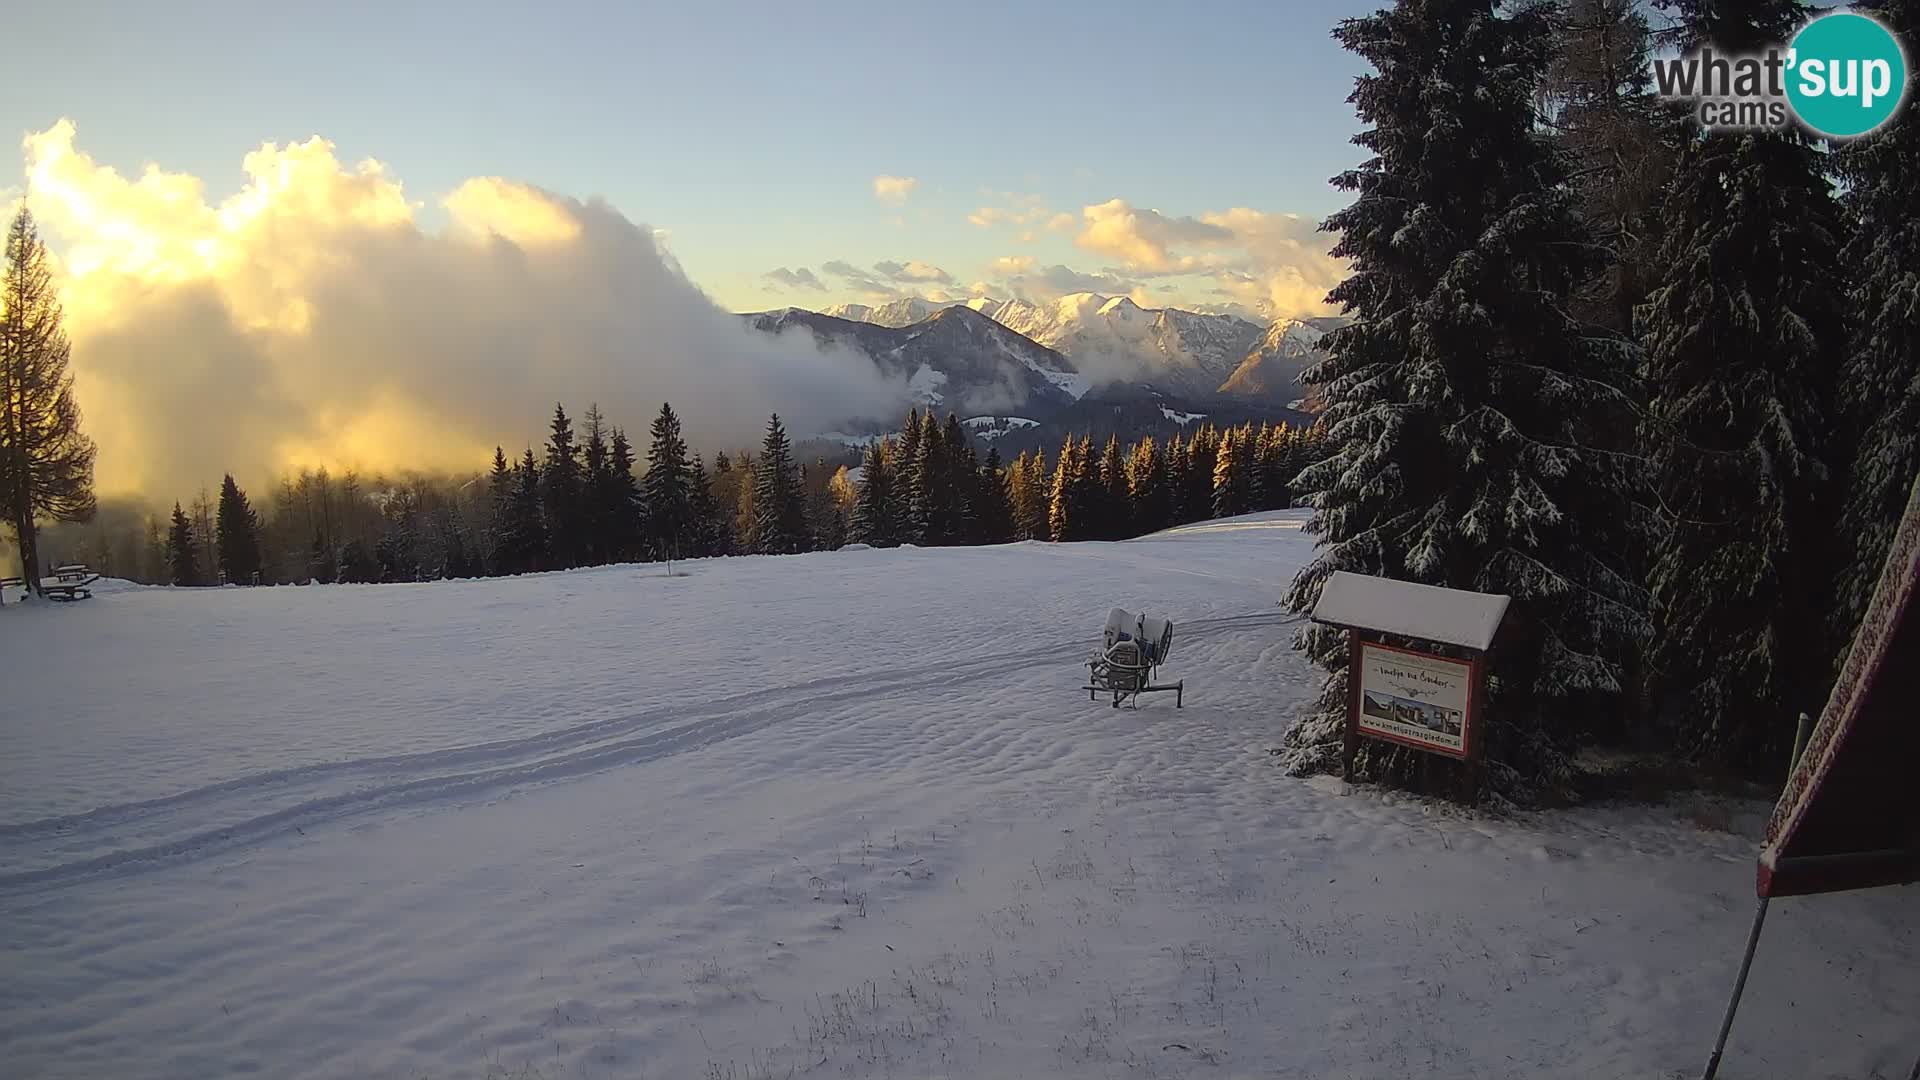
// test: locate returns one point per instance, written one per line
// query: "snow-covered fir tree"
(1462, 400)
(873, 508)
(1232, 463)
(779, 513)
(667, 486)
(182, 556)
(1745, 334)
(1600, 104)
(239, 531)
(561, 491)
(993, 506)
(625, 505)
(597, 491)
(1879, 402)
(906, 477)
(1147, 494)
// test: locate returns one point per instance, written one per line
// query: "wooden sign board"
(1416, 699)
(1412, 697)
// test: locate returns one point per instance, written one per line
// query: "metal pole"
(1800, 734)
(1739, 985)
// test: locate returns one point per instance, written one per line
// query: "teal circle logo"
(1846, 75)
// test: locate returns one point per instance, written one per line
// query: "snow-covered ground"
(839, 814)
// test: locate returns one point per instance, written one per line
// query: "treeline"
(581, 500)
(1657, 383)
(927, 486)
(584, 500)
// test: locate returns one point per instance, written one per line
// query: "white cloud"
(801, 278)
(894, 189)
(310, 320)
(914, 270)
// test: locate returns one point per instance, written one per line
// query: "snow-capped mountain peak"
(1114, 339)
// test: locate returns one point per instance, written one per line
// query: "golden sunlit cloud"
(309, 319)
(894, 189)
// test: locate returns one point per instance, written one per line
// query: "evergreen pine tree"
(960, 473)
(597, 509)
(993, 507)
(1599, 101)
(668, 499)
(1230, 468)
(1880, 385)
(1177, 490)
(873, 509)
(499, 500)
(1462, 400)
(1147, 494)
(1742, 380)
(1034, 509)
(529, 525)
(239, 530)
(929, 511)
(1016, 485)
(1060, 501)
(182, 553)
(1202, 449)
(1113, 506)
(906, 475)
(46, 462)
(703, 514)
(561, 493)
(842, 495)
(626, 509)
(779, 515)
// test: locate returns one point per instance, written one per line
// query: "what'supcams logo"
(1841, 76)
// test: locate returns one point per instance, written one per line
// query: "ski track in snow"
(832, 815)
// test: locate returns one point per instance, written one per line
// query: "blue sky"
(752, 133)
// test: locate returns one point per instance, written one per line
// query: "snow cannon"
(1132, 648)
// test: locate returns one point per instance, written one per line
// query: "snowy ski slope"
(840, 814)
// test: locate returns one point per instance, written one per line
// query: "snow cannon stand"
(1132, 649)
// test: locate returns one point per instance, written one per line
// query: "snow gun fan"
(1131, 651)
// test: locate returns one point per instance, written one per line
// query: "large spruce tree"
(1462, 400)
(597, 511)
(527, 526)
(930, 504)
(1879, 402)
(182, 555)
(1600, 104)
(906, 476)
(779, 510)
(239, 530)
(873, 509)
(1147, 493)
(626, 507)
(993, 508)
(562, 493)
(1745, 335)
(668, 484)
(46, 461)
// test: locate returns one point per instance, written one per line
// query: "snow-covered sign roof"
(1427, 612)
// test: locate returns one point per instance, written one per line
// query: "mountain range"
(1024, 373)
(1112, 340)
